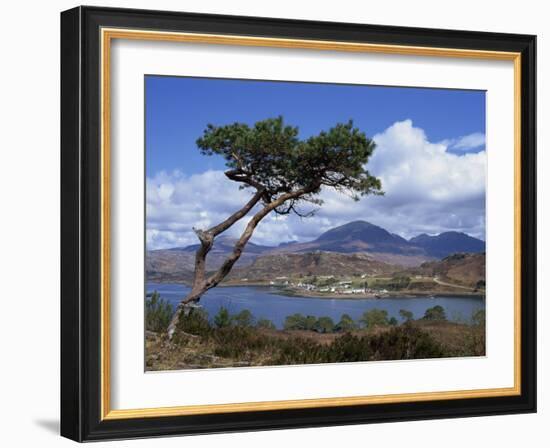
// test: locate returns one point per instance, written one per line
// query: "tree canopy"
(435, 313)
(270, 157)
(374, 318)
(284, 171)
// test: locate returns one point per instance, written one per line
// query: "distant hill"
(169, 265)
(178, 263)
(362, 236)
(447, 243)
(287, 243)
(461, 268)
(312, 263)
(357, 237)
(225, 244)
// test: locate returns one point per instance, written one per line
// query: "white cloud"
(413, 168)
(176, 203)
(428, 189)
(466, 143)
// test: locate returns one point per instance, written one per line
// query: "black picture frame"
(81, 224)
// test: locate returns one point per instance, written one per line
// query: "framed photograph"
(276, 224)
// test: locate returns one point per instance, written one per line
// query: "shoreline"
(305, 294)
(370, 296)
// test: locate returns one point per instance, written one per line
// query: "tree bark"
(206, 239)
(201, 284)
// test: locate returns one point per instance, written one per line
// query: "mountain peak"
(447, 243)
(361, 230)
(361, 223)
(361, 236)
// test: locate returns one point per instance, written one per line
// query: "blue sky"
(430, 155)
(178, 109)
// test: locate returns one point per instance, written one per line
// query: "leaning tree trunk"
(202, 283)
(184, 308)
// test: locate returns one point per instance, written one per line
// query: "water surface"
(268, 302)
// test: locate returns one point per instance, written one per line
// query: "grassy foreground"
(202, 344)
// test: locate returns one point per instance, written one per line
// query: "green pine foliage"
(406, 315)
(374, 318)
(346, 324)
(436, 313)
(158, 313)
(223, 318)
(243, 319)
(265, 324)
(270, 155)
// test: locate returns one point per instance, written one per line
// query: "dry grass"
(234, 347)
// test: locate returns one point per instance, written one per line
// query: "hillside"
(177, 264)
(446, 243)
(312, 263)
(224, 244)
(357, 237)
(169, 266)
(460, 269)
(362, 236)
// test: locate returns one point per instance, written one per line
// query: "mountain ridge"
(355, 237)
(360, 236)
(445, 243)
